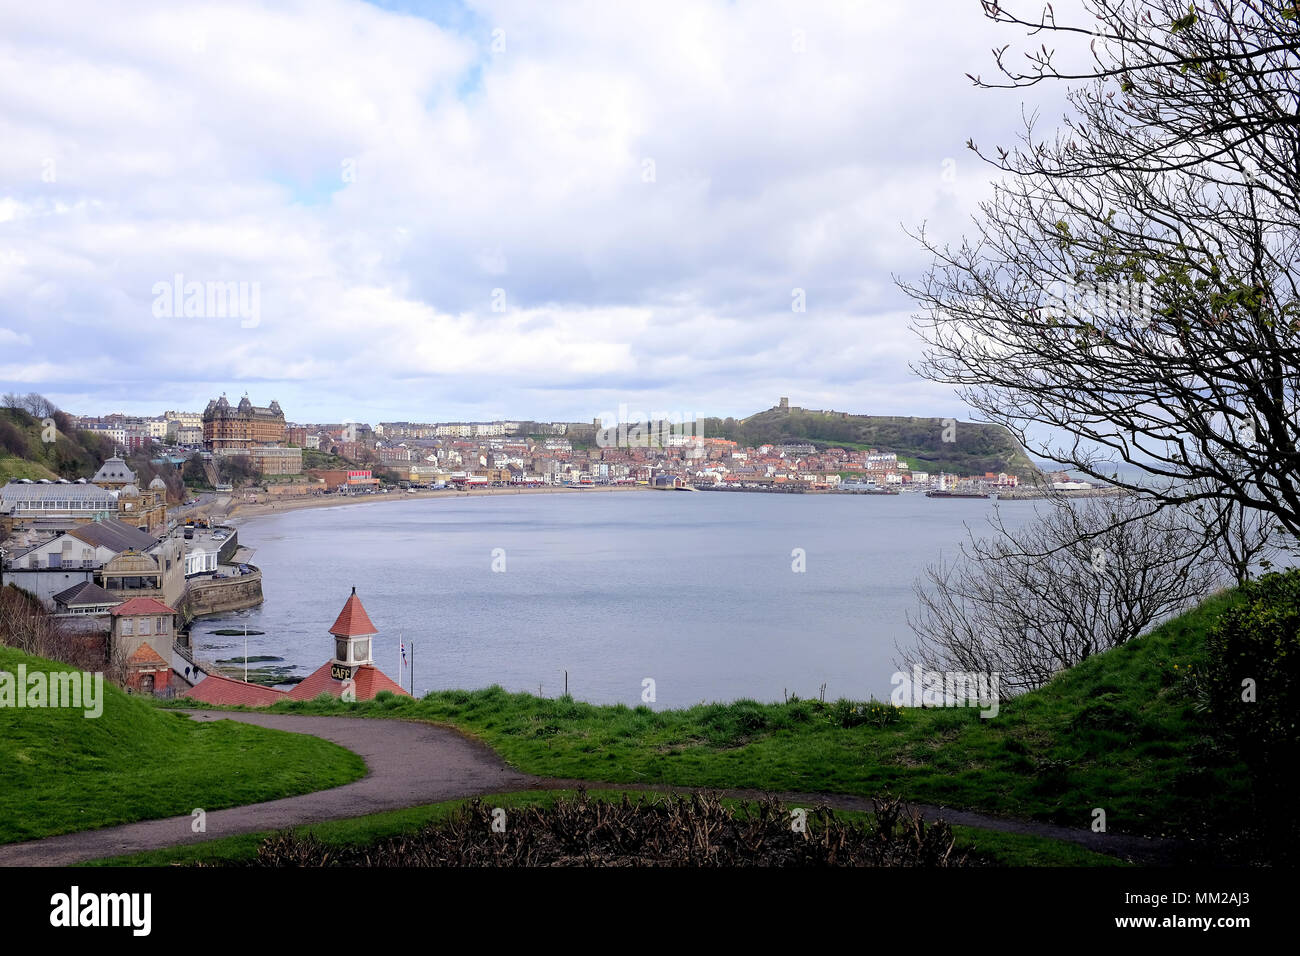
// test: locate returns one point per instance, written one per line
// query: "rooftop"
(84, 594)
(368, 679)
(353, 621)
(114, 470)
(215, 689)
(21, 491)
(115, 535)
(142, 605)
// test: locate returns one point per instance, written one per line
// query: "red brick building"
(137, 626)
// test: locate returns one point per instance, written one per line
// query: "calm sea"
(697, 592)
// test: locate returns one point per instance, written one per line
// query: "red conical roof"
(353, 621)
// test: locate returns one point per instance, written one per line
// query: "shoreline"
(239, 511)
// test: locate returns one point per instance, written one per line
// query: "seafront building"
(259, 433)
(240, 427)
(61, 505)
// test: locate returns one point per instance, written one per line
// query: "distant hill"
(977, 448)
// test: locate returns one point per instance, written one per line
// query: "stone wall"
(215, 595)
(226, 553)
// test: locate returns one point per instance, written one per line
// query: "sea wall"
(216, 595)
(226, 553)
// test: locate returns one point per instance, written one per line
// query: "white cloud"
(379, 176)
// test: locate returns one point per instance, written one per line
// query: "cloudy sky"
(478, 210)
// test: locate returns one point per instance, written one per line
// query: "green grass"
(1005, 849)
(1118, 732)
(12, 468)
(64, 772)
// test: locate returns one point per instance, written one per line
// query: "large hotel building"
(248, 429)
(241, 426)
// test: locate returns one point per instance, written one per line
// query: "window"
(144, 626)
(128, 626)
(161, 628)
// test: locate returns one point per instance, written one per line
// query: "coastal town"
(689, 445)
(129, 555)
(282, 459)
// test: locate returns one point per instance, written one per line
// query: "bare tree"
(1082, 577)
(38, 406)
(1244, 541)
(26, 625)
(1130, 285)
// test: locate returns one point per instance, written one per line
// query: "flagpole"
(245, 652)
(412, 668)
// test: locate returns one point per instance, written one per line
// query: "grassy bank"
(1002, 849)
(65, 772)
(1118, 732)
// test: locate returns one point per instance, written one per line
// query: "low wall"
(226, 553)
(216, 595)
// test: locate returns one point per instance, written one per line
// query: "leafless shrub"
(26, 625)
(695, 830)
(1082, 577)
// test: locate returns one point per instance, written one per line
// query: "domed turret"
(157, 485)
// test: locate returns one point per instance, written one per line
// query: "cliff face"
(930, 444)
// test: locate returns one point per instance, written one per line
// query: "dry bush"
(27, 626)
(694, 830)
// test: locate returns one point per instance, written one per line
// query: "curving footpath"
(411, 763)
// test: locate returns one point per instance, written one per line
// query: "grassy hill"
(1120, 731)
(24, 453)
(74, 453)
(976, 447)
(65, 772)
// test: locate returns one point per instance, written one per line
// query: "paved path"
(411, 763)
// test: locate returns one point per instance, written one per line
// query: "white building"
(1071, 485)
(200, 559)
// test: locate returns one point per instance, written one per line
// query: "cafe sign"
(340, 672)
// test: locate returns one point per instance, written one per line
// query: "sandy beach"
(239, 511)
